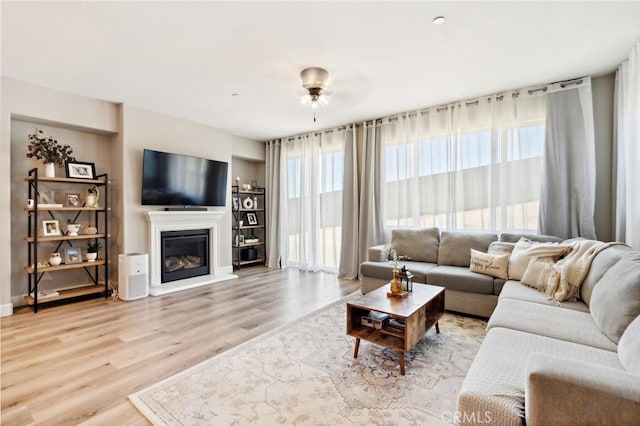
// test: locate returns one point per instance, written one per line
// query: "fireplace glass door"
(185, 254)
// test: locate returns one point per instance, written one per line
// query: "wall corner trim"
(6, 310)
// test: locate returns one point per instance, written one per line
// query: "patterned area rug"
(305, 374)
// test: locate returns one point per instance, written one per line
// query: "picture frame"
(236, 203)
(51, 228)
(72, 255)
(239, 240)
(252, 219)
(80, 170)
(72, 199)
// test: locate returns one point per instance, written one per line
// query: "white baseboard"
(226, 269)
(6, 310)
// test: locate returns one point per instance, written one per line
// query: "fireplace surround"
(175, 223)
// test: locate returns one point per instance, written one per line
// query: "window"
(478, 180)
(314, 179)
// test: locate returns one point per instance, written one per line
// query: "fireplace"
(184, 254)
(191, 235)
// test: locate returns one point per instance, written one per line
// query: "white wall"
(146, 129)
(248, 149)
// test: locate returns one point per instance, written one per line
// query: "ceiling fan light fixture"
(314, 77)
(314, 80)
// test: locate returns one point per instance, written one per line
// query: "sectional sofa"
(443, 259)
(542, 361)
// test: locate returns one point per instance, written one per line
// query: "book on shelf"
(49, 205)
(43, 294)
(374, 319)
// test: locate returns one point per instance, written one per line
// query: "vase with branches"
(47, 149)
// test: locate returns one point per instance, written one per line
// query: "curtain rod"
(570, 82)
(498, 97)
(318, 133)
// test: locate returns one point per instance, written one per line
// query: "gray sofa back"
(601, 264)
(455, 247)
(419, 245)
(509, 237)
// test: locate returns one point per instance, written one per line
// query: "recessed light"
(234, 95)
(438, 20)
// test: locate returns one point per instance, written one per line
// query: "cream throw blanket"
(572, 270)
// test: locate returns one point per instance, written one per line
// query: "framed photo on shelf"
(239, 240)
(236, 203)
(252, 219)
(80, 170)
(73, 199)
(50, 228)
(72, 255)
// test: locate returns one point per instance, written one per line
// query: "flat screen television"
(181, 180)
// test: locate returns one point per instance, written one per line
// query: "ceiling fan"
(314, 80)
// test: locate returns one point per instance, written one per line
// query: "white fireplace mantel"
(162, 221)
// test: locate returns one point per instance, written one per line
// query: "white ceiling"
(186, 59)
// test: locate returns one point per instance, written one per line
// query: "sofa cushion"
(496, 380)
(494, 265)
(550, 321)
(455, 247)
(615, 301)
(384, 270)
(420, 245)
(498, 285)
(599, 265)
(509, 237)
(516, 290)
(461, 279)
(629, 347)
(525, 250)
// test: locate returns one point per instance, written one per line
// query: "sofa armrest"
(562, 391)
(376, 254)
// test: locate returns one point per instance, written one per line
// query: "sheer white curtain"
(312, 216)
(628, 150)
(471, 165)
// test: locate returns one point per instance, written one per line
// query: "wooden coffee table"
(418, 311)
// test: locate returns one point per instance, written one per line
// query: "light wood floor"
(78, 362)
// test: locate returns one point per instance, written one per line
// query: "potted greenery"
(48, 150)
(73, 228)
(92, 249)
(250, 239)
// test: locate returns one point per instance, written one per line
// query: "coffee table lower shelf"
(416, 314)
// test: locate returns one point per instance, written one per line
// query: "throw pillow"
(540, 274)
(629, 347)
(489, 264)
(615, 300)
(420, 245)
(525, 250)
(499, 247)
